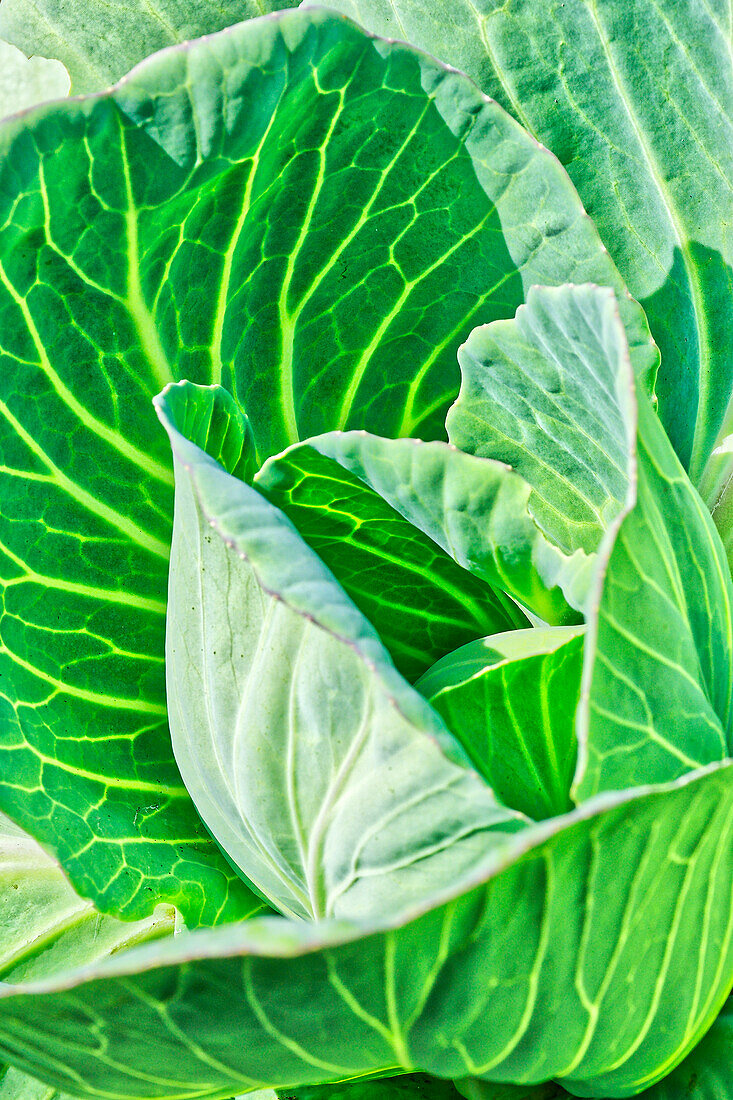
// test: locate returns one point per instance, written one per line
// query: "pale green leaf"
(551, 394)
(25, 81)
(230, 157)
(327, 779)
(100, 42)
(522, 977)
(511, 701)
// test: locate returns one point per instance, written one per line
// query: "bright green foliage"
(99, 307)
(636, 98)
(472, 986)
(26, 81)
(323, 775)
(45, 928)
(514, 880)
(659, 666)
(511, 701)
(706, 1073)
(422, 604)
(476, 509)
(99, 42)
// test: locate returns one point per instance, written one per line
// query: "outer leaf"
(328, 780)
(623, 93)
(107, 205)
(524, 977)
(511, 700)
(706, 1073)
(99, 44)
(658, 675)
(422, 604)
(27, 81)
(550, 393)
(45, 928)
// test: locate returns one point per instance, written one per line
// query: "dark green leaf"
(706, 1073)
(422, 604)
(475, 509)
(411, 1086)
(636, 98)
(511, 700)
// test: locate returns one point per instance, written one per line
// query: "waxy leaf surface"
(98, 45)
(350, 210)
(550, 393)
(510, 701)
(421, 603)
(326, 778)
(521, 975)
(635, 97)
(658, 693)
(24, 81)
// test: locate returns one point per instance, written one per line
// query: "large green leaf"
(706, 1073)
(658, 698)
(318, 310)
(511, 701)
(26, 81)
(523, 974)
(46, 928)
(99, 43)
(327, 779)
(475, 509)
(422, 604)
(636, 98)
(550, 393)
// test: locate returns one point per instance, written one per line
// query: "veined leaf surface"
(325, 777)
(46, 928)
(521, 975)
(26, 81)
(98, 46)
(421, 603)
(550, 392)
(510, 701)
(636, 98)
(658, 672)
(706, 1073)
(271, 160)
